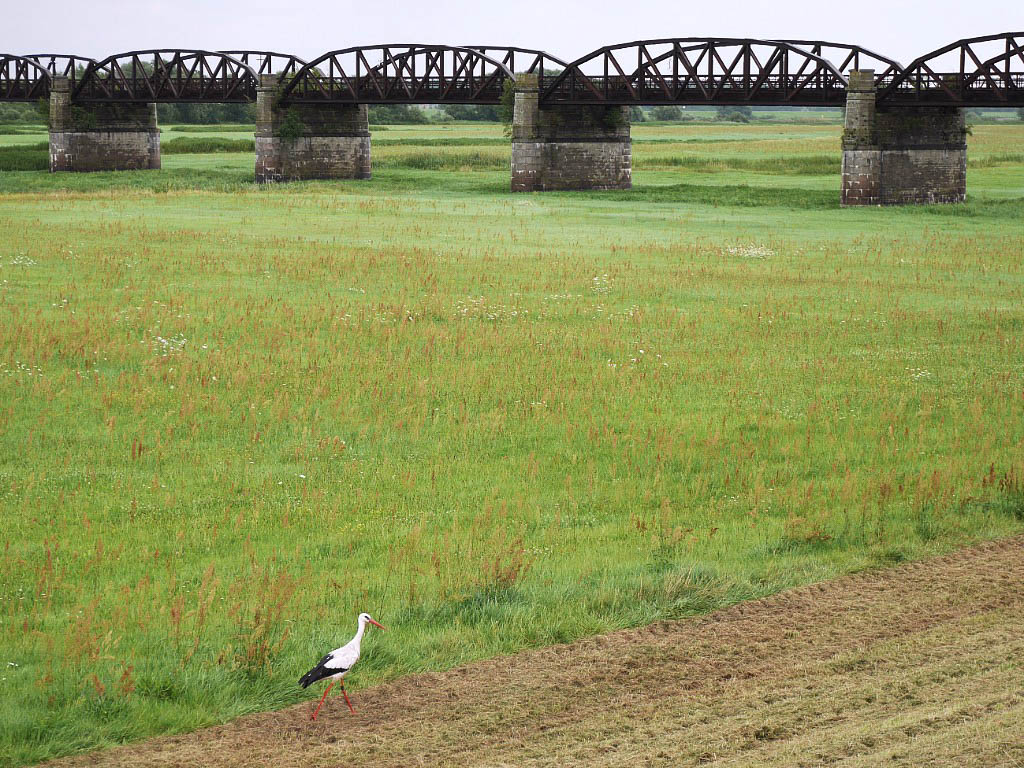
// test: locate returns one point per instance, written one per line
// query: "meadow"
(232, 417)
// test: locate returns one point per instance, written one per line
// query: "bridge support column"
(101, 137)
(900, 155)
(309, 141)
(568, 146)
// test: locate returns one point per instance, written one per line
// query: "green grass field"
(232, 417)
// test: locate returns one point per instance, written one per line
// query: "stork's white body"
(341, 660)
(338, 662)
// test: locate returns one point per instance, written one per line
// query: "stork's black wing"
(320, 671)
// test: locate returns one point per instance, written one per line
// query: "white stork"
(336, 663)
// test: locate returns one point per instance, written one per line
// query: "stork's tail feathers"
(319, 672)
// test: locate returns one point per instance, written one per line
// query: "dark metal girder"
(23, 79)
(528, 61)
(400, 73)
(269, 62)
(699, 71)
(980, 71)
(847, 56)
(976, 81)
(168, 76)
(63, 64)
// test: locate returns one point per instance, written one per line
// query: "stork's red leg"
(324, 697)
(345, 693)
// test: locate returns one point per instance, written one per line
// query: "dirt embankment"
(920, 665)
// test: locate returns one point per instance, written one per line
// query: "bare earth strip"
(919, 665)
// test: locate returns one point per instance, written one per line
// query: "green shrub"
(734, 114)
(667, 112)
(292, 126)
(486, 113)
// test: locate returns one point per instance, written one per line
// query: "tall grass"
(218, 128)
(233, 417)
(25, 157)
(199, 145)
(790, 164)
(462, 160)
(21, 130)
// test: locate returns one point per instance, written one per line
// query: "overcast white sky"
(570, 28)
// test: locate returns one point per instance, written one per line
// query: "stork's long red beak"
(376, 624)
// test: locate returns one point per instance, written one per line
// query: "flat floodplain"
(233, 417)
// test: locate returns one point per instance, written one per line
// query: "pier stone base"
(900, 155)
(309, 141)
(101, 137)
(568, 146)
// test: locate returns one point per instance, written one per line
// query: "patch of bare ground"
(919, 665)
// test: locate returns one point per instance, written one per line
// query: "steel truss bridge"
(983, 71)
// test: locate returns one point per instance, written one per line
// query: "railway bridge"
(903, 138)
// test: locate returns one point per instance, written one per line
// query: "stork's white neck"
(360, 631)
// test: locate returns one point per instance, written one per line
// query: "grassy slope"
(424, 396)
(908, 666)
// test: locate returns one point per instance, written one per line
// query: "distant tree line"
(672, 113)
(206, 114)
(388, 114)
(15, 113)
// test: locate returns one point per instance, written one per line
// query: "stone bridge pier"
(309, 141)
(568, 146)
(101, 137)
(899, 155)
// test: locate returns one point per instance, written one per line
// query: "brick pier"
(309, 141)
(899, 155)
(568, 146)
(101, 137)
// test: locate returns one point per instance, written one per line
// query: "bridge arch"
(400, 74)
(847, 57)
(63, 64)
(269, 62)
(960, 73)
(528, 61)
(169, 76)
(717, 71)
(23, 79)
